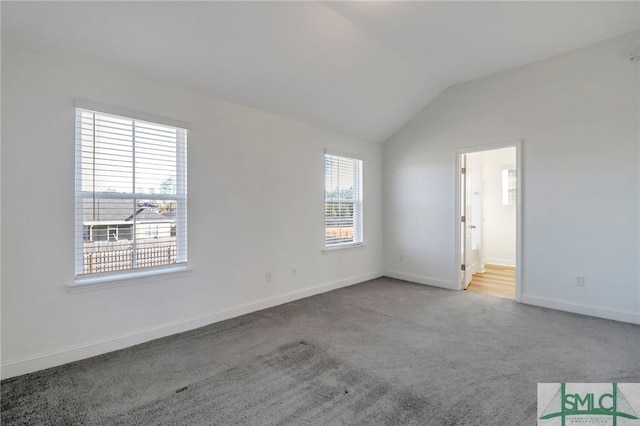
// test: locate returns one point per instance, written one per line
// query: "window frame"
(358, 202)
(509, 177)
(180, 196)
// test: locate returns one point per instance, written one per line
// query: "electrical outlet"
(294, 272)
(580, 281)
(401, 257)
(269, 277)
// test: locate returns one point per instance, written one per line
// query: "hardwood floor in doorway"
(496, 280)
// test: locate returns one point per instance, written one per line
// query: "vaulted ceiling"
(363, 68)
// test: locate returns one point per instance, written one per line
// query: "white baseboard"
(501, 262)
(421, 279)
(41, 361)
(593, 311)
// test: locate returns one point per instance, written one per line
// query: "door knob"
(473, 227)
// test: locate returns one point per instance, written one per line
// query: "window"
(343, 210)
(509, 187)
(131, 194)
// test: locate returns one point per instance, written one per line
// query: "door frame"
(517, 144)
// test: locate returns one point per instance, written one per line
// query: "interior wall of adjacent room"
(577, 115)
(499, 220)
(255, 206)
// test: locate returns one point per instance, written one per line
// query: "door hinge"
(464, 170)
(463, 267)
(463, 219)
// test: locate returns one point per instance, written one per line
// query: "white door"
(465, 222)
(475, 219)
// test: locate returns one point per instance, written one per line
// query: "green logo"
(588, 403)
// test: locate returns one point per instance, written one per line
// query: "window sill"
(340, 248)
(116, 279)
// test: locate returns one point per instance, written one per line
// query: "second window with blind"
(343, 201)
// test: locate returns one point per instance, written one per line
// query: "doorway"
(489, 188)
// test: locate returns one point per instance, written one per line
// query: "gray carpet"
(380, 352)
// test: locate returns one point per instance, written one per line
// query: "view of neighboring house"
(113, 220)
(118, 236)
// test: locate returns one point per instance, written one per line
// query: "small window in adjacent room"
(343, 203)
(509, 186)
(131, 195)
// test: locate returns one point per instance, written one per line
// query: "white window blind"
(343, 203)
(131, 194)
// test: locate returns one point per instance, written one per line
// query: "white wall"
(500, 220)
(255, 205)
(577, 115)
